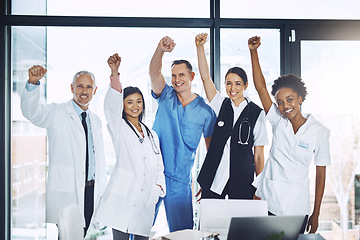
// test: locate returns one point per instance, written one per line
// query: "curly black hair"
(290, 81)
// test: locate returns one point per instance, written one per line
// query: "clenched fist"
(36, 72)
(254, 43)
(166, 44)
(114, 63)
(200, 39)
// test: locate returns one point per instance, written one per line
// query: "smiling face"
(288, 102)
(133, 106)
(83, 90)
(235, 88)
(181, 78)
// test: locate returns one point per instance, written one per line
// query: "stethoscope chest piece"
(221, 123)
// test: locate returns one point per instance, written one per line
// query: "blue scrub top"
(179, 129)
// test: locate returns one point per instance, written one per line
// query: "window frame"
(289, 59)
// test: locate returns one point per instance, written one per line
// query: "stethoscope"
(244, 121)
(141, 139)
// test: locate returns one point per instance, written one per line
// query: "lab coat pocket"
(122, 182)
(61, 179)
(154, 196)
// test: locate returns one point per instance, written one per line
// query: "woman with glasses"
(137, 180)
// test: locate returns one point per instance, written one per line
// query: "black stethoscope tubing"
(141, 140)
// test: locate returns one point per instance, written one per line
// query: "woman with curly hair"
(297, 139)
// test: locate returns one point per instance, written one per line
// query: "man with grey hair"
(76, 172)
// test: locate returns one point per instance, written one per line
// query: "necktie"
(83, 115)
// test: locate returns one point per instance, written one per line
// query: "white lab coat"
(128, 203)
(67, 152)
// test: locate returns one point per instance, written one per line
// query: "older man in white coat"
(76, 173)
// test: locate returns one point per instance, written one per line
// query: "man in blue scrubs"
(182, 117)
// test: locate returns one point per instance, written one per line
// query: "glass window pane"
(330, 71)
(25, 7)
(135, 8)
(69, 50)
(28, 157)
(291, 9)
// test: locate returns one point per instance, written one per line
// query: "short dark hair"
(238, 71)
(290, 81)
(181, 61)
(131, 90)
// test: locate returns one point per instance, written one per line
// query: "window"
(290, 9)
(29, 147)
(329, 69)
(66, 45)
(83, 49)
(135, 8)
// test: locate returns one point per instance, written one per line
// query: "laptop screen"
(267, 228)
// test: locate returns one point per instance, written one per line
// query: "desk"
(187, 234)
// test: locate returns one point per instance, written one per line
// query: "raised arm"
(39, 114)
(36, 73)
(113, 103)
(259, 80)
(209, 86)
(166, 44)
(114, 63)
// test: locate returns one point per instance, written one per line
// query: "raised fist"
(254, 43)
(166, 44)
(114, 63)
(200, 39)
(36, 72)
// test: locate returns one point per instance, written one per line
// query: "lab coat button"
(142, 189)
(134, 205)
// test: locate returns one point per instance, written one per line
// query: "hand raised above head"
(200, 39)
(36, 72)
(114, 63)
(254, 42)
(166, 44)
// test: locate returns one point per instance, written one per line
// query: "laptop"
(216, 214)
(267, 228)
